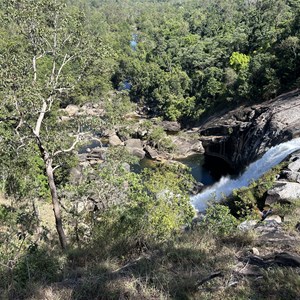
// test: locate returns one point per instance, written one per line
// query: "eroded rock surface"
(244, 134)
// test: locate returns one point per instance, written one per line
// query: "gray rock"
(186, 146)
(152, 153)
(140, 153)
(273, 218)
(72, 110)
(65, 118)
(114, 140)
(126, 166)
(135, 147)
(108, 132)
(171, 126)
(247, 225)
(76, 175)
(283, 192)
(294, 166)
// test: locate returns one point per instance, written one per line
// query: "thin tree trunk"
(56, 206)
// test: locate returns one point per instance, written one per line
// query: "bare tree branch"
(69, 149)
(40, 119)
(56, 167)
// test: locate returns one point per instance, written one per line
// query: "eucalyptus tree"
(46, 52)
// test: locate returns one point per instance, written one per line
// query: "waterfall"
(226, 185)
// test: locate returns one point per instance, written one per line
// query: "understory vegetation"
(75, 69)
(141, 250)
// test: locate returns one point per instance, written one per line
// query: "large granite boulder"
(186, 145)
(283, 192)
(114, 140)
(135, 147)
(171, 126)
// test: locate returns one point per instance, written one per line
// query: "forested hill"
(181, 58)
(193, 55)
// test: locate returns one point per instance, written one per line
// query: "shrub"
(219, 221)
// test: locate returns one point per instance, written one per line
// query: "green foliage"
(239, 61)
(157, 208)
(160, 140)
(279, 283)
(245, 201)
(116, 107)
(219, 220)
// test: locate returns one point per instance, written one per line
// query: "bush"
(219, 221)
(158, 207)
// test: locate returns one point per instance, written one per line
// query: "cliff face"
(244, 134)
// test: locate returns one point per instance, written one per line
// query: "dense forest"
(177, 60)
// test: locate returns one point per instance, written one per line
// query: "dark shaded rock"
(197, 188)
(241, 136)
(280, 259)
(290, 176)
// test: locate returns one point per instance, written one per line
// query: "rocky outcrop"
(135, 147)
(171, 126)
(286, 188)
(244, 134)
(186, 145)
(283, 192)
(114, 140)
(88, 109)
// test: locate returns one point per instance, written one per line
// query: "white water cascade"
(226, 185)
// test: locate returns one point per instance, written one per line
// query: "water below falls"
(226, 185)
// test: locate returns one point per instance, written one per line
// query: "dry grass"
(44, 208)
(179, 269)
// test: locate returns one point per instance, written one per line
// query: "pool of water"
(196, 163)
